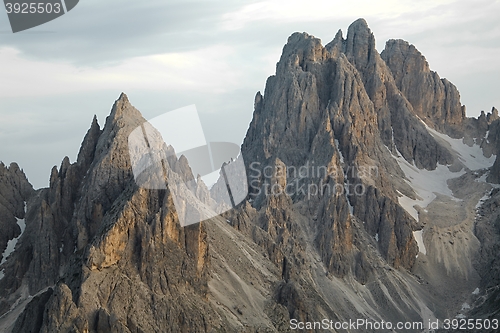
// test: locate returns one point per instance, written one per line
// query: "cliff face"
(98, 242)
(15, 191)
(494, 140)
(364, 178)
(346, 108)
(434, 100)
(342, 93)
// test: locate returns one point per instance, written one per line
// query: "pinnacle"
(123, 109)
(358, 27)
(123, 97)
(361, 22)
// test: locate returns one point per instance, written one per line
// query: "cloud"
(100, 32)
(297, 10)
(207, 69)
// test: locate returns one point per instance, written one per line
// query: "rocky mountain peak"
(123, 119)
(336, 46)
(87, 149)
(123, 113)
(301, 48)
(413, 59)
(360, 44)
(359, 24)
(436, 101)
(94, 224)
(493, 115)
(15, 192)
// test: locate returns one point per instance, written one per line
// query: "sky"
(215, 54)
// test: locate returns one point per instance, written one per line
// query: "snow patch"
(418, 235)
(472, 157)
(476, 291)
(425, 183)
(337, 144)
(376, 237)
(465, 306)
(11, 244)
(482, 179)
(483, 199)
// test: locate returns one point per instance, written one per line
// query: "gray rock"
(434, 100)
(321, 234)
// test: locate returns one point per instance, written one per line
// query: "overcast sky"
(215, 54)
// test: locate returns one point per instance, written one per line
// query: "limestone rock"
(320, 235)
(493, 115)
(104, 242)
(434, 100)
(398, 126)
(48, 241)
(494, 138)
(15, 191)
(320, 96)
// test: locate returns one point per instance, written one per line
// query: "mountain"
(15, 190)
(371, 196)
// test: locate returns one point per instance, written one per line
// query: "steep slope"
(96, 242)
(344, 109)
(494, 139)
(15, 191)
(47, 243)
(313, 100)
(435, 100)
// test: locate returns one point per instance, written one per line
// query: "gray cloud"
(103, 32)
